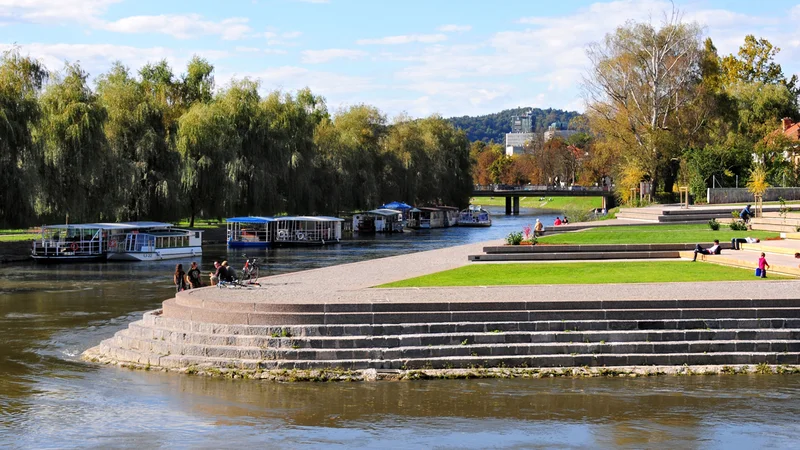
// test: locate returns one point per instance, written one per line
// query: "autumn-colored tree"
(641, 81)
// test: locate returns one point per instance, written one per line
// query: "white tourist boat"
(475, 216)
(77, 242)
(154, 241)
(382, 220)
(451, 215)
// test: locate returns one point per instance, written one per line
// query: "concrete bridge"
(513, 193)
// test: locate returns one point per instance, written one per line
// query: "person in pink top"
(763, 265)
(557, 222)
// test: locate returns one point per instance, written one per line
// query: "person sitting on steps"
(713, 250)
(538, 229)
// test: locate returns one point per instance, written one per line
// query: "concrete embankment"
(15, 251)
(331, 324)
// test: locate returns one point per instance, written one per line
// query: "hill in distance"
(493, 127)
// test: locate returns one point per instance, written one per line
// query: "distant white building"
(521, 133)
(515, 142)
(555, 130)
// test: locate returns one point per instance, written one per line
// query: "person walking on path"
(763, 265)
(179, 278)
(713, 250)
(194, 276)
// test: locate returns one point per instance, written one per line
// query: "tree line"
(493, 127)
(154, 145)
(663, 106)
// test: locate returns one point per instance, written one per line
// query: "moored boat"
(155, 241)
(249, 231)
(307, 230)
(426, 217)
(474, 216)
(80, 242)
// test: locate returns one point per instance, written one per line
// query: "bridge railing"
(531, 187)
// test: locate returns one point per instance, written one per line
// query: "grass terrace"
(558, 203)
(579, 273)
(14, 235)
(652, 234)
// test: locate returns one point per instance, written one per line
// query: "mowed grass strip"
(652, 234)
(580, 273)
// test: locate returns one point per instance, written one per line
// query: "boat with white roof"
(474, 216)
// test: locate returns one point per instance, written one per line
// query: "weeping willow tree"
(71, 132)
(21, 80)
(144, 165)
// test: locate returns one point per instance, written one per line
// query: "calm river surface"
(51, 399)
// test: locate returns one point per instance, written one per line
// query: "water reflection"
(50, 399)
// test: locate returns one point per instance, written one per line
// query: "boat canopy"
(385, 212)
(310, 219)
(397, 205)
(111, 226)
(251, 219)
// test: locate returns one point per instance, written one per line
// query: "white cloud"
(323, 56)
(53, 11)
(454, 28)
(294, 78)
(267, 51)
(285, 38)
(185, 26)
(404, 39)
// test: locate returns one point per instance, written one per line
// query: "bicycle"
(250, 272)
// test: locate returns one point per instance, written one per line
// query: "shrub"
(713, 224)
(514, 238)
(738, 225)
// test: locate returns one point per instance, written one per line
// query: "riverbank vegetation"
(652, 234)
(155, 145)
(664, 107)
(579, 273)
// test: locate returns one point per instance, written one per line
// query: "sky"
(411, 57)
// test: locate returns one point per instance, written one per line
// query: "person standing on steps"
(179, 278)
(713, 250)
(194, 276)
(763, 265)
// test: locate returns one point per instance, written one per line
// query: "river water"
(49, 398)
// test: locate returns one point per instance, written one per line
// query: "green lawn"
(653, 234)
(579, 273)
(17, 234)
(558, 203)
(201, 224)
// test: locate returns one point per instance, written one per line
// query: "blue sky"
(405, 57)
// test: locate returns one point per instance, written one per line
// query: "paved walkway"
(352, 283)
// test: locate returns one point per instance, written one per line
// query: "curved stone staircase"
(443, 335)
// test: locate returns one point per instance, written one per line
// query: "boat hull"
(245, 244)
(50, 259)
(157, 255)
(475, 224)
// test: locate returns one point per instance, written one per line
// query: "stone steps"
(534, 361)
(769, 220)
(148, 334)
(546, 248)
(766, 247)
(394, 351)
